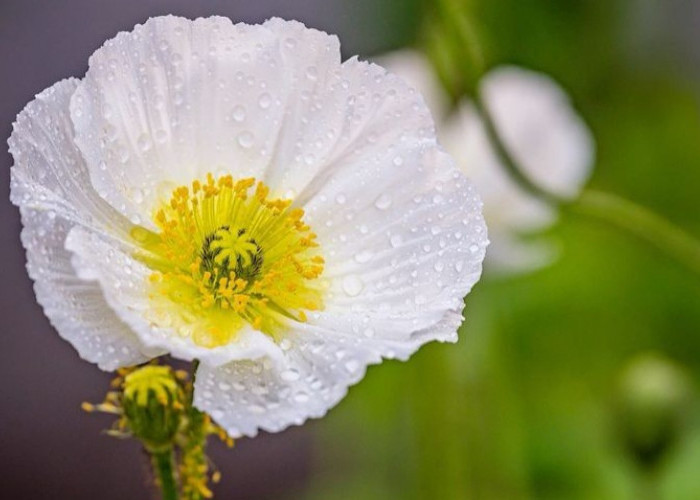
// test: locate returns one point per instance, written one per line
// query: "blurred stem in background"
(452, 43)
(606, 207)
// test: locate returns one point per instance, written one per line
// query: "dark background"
(522, 406)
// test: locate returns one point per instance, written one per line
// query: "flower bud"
(153, 405)
(653, 400)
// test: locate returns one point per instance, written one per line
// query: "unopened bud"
(153, 402)
(653, 400)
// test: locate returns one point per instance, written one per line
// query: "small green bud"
(153, 405)
(654, 396)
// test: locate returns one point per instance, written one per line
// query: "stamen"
(225, 257)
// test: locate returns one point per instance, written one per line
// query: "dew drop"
(290, 375)
(383, 202)
(364, 256)
(301, 397)
(312, 73)
(352, 365)
(238, 113)
(245, 139)
(352, 285)
(144, 143)
(264, 100)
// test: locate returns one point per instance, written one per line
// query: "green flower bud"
(153, 404)
(654, 397)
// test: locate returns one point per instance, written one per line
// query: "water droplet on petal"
(264, 100)
(352, 365)
(364, 256)
(395, 240)
(301, 397)
(290, 375)
(245, 139)
(352, 285)
(383, 202)
(144, 143)
(238, 113)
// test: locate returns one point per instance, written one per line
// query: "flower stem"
(609, 208)
(164, 469)
(641, 222)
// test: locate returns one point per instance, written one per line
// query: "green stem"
(606, 207)
(164, 470)
(641, 222)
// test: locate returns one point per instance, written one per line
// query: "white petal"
(50, 185)
(400, 227)
(246, 396)
(548, 139)
(175, 99)
(49, 173)
(403, 242)
(76, 308)
(124, 281)
(416, 69)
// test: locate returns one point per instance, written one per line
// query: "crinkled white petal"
(416, 69)
(51, 187)
(175, 99)
(546, 136)
(403, 238)
(319, 367)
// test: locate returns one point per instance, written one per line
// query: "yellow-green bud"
(653, 400)
(153, 405)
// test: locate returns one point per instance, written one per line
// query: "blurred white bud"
(542, 131)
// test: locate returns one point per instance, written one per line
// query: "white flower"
(544, 134)
(234, 194)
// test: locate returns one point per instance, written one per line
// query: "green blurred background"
(526, 404)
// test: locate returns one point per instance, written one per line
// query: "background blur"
(528, 404)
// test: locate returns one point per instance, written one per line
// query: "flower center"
(225, 256)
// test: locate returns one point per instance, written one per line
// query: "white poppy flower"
(237, 195)
(544, 134)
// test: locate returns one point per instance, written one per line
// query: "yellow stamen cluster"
(226, 255)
